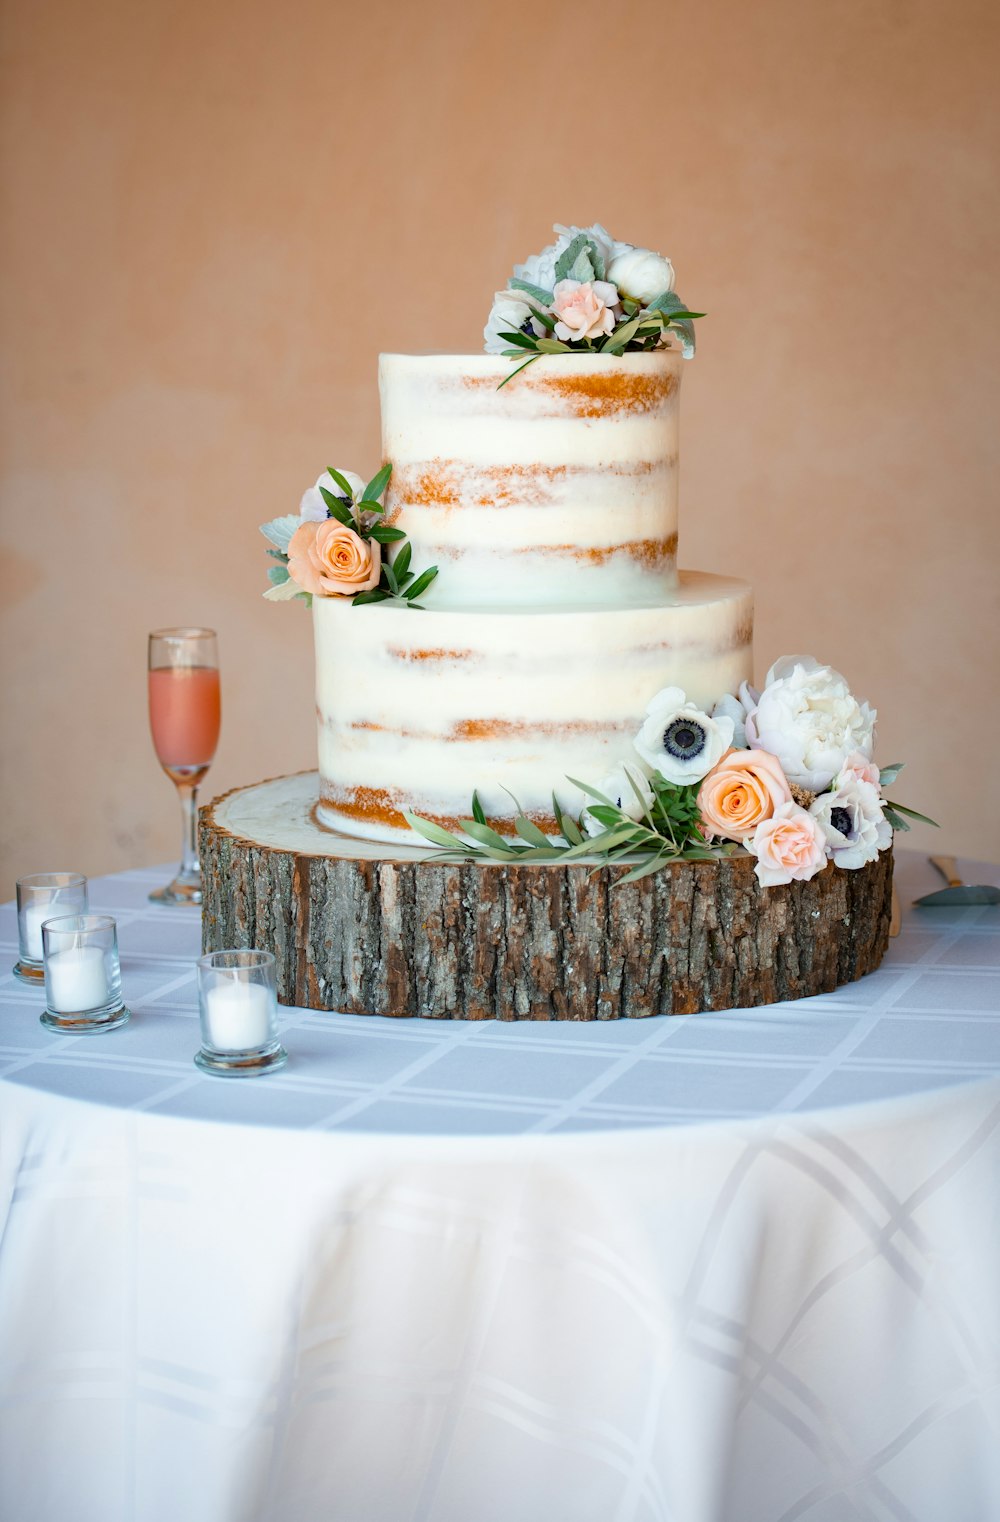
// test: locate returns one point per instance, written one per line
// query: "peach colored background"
(216, 215)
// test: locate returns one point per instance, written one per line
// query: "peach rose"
(331, 560)
(743, 789)
(858, 768)
(790, 845)
(583, 309)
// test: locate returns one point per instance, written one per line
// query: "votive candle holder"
(83, 980)
(238, 1007)
(43, 896)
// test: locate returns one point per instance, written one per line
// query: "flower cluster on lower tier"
(785, 771)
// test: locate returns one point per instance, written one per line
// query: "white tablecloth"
(730, 1268)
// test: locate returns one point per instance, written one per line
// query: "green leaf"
(597, 260)
(486, 836)
(345, 486)
(422, 582)
(339, 509)
(583, 266)
(378, 483)
(889, 773)
(567, 259)
(544, 318)
(377, 594)
(591, 792)
(401, 563)
(390, 578)
(629, 307)
(434, 832)
(384, 533)
(277, 575)
(552, 346)
(530, 832)
(280, 530)
(278, 555)
(569, 828)
(666, 301)
(478, 812)
(367, 506)
(510, 377)
(520, 340)
(616, 341)
(536, 292)
(644, 869)
(900, 808)
(896, 820)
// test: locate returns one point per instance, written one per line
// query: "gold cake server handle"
(948, 867)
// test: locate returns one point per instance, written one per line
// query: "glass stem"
(188, 794)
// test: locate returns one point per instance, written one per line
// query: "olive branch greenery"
(397, 582)
(642, 328)
(668, 831)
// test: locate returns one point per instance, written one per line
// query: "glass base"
(241, 1064)
(89, 1023)
(32, 973)
(183, 890)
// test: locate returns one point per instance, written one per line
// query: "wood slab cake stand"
(381, 930)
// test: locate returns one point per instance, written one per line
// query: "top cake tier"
(558, 489)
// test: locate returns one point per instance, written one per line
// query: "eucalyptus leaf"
(536, 292)
(280, 530)
(378, 483)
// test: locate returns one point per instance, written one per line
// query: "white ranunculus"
(312, 508)
(641, 274)
(619, 789)
(508, 315)
(679, 741)
(853, 823)
(807, 716)
(736, 707)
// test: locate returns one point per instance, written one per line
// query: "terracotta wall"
(216, 215)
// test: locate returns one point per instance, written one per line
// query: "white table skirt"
(736, 1268)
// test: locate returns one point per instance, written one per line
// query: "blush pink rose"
(790, 846)
(858, 768)
(743, 789)
(583, 309)
(331, 560)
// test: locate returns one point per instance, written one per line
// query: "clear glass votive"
(238, 1004)
(83, 979)
(44, 896)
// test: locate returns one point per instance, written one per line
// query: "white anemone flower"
(510, 313)
(621, 787)
(679, 741)
(312, 508)
(853, 823)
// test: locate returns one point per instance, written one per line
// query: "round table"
(710, 1268)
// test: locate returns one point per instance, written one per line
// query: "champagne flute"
(184, 716)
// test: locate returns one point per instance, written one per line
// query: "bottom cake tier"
(417, 709)
(379, 930)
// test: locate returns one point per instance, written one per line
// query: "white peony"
(808, 718)
(853, 823)
(508, 315)
(679, 741)
(736, 708)
(619, 789)
(312, 508)
(641, 274)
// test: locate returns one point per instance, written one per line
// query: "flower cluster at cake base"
(335, 545)
(588, 293)
(784, 773)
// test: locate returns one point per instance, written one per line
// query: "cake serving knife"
(956, 892)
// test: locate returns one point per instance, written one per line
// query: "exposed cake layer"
(559, 487)
(417, 710)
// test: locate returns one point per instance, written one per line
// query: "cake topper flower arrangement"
(588, 293)
(784, 773)
(333, 546)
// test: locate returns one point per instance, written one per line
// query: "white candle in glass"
(237, 1015)
(76, 980)
(34, 917)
